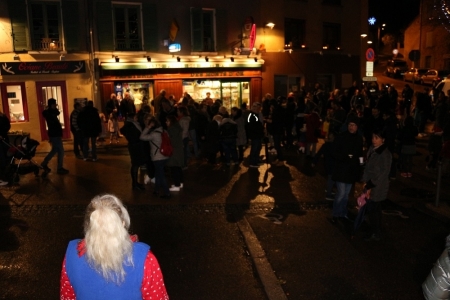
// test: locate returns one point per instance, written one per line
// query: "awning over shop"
(180, 65)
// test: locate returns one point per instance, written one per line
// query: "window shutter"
(196, 27)
(150, 21)
(105, 26)
(19, 24)
(71, 25)
(221, 30)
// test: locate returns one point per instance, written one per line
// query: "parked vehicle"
(396, 67)
(433, 77)
(414, 74)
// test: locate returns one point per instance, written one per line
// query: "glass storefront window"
(139, 91)
(232, 93)
(14, 98)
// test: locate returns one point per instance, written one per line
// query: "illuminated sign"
(177, 65)
(42, 67)
(174, 47)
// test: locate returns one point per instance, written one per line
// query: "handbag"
(362, 199)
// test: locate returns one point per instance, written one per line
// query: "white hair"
(108, 243)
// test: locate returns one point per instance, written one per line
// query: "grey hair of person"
(108, 243)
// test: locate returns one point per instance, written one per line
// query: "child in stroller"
(20, 150)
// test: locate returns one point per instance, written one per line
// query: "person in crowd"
(176, 161)
(241, 139)
(208, 100)
(437, 286)
(393, 98)
(143, 113)
(152, 133)
(157, 102)
(223, 112)
(203, 120)
(132, 132)
(109, 263)
(166, 110)
(255, 132)
(440, 112)
(288, 122)
(91, 125)
(184, 119)
(407, 95)
(214, 108)
(313, 132)
(113, 128)
(390, 130)
(212, 139)
(422, 111)
(376, 179)
(338, 117)
(193, 125)
(275, 128)
(345, 100)
(372, 123)
(112, 105)
(76, 131)
(407, 139)
(5, 126)
(51, 115)
(348, 147)
(327, 152)
(127, 105)
(357, 99)
(228, 133)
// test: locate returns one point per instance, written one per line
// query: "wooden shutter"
(221, 30)
(18, 14)
(71, 25)
(196, 27)
(106, 89)
(105, 26)
(150, 25)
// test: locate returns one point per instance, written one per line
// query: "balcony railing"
(128, 44)
(46, 44)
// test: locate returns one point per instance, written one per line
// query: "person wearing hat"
(348, 149)
(51, 115)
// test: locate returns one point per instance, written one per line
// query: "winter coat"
(212, 137)
(90, 122)
(53, 123)
(254, 126)
(228, 129)
(241, 139)
(347, 169)
(154, 137)
(327, 151)
(437, 284)
(376, 172)
(312, 125)
(131, 130)
(175, 133)
(184, 123)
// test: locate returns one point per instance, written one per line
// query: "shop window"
(331, 36)
(15, 101)
(294, 33)
(46, 26)
(203, 33)
(127, 27)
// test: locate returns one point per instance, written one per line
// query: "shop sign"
(42, 67)
(178, 65)
(218, 74)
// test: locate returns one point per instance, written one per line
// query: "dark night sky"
(396, 14)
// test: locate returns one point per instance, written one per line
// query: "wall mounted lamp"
(62, 57)
(363, 35)
(117, 58)
(206, 58)
(232, 59)
(16, 57)
(178, 59)
(271, 25)
(149, 59)
(256, 59)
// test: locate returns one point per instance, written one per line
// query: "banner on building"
(42, 67)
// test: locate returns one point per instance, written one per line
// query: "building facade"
(77, 50)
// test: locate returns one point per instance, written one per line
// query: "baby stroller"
(20, 156)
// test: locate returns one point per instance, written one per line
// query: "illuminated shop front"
(232, 83)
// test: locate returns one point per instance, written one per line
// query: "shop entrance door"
(56, 90)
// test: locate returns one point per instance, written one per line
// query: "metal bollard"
(438, 183)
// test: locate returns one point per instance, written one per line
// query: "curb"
(272, 286)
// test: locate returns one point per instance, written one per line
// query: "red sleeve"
(66, 291)
(153, 283)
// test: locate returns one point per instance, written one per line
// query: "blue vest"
(89, 284)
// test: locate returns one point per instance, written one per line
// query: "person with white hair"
(109, 263)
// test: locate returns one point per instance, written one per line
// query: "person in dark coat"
(51, 115)
(132, 132)
(327, 152)
(112, 105)
(202, 125)
(76, 131)
(313, 132)
(91, 126)
(347, 151)
(5, 126)
(255, 133)
(376, 178)
(176, 161)
(127, 105)
(212, 139)
(228, 133)
(407, 138)
(391, 131)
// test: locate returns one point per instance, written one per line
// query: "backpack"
(165, 148)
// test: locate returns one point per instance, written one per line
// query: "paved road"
(197, 239)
